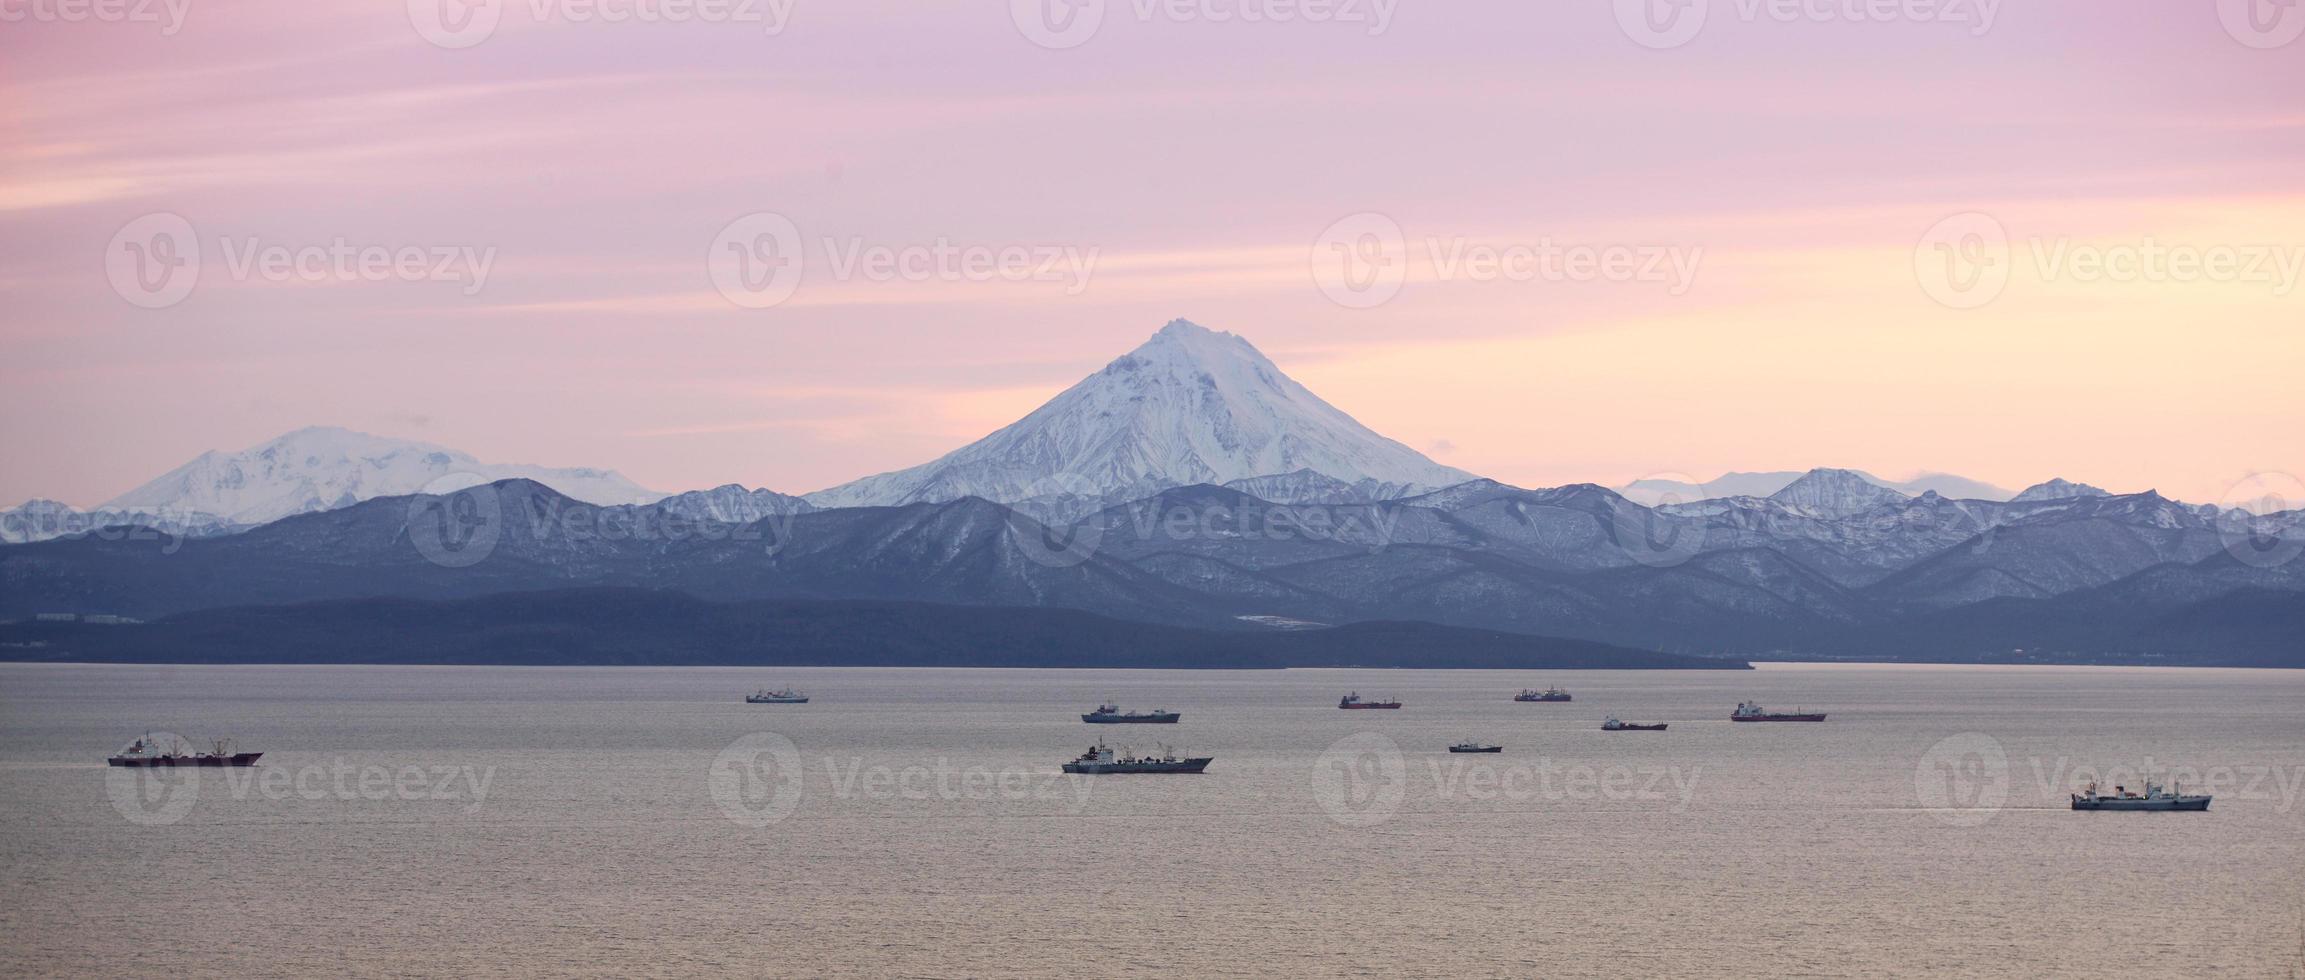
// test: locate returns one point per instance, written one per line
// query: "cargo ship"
(1099, 760)
(2155, 797)
(1613, 725)
(1109, 713)
(1475, 747)
(147, 753)
(1548, 694)
(1749, 711)
(785, 696)
(1353, 702)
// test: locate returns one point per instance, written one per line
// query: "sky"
(788, 243)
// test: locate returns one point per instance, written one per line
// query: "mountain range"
(311, 469)
(1191, 485)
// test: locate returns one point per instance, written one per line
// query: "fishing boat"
(2155, 797)
(1471, 746)
(785, 696)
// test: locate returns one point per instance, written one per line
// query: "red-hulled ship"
(1749, 711)
(1353, 701)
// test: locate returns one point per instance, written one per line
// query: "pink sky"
(1802, 162)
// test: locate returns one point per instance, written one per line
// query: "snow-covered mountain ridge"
(324, 468)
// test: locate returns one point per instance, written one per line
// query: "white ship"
(2155, 797)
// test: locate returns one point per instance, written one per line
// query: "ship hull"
(1137, 768)
(1776, 717)
(1543, 700)
(1490, 749)
(2187, 803)
(190, 762)
(1633, 728)
(776, 700)
(1368, 707)
(1169, 718)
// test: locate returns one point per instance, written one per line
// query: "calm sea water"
(910, 823)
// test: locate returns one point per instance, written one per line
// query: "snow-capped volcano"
(1191, 405)
(322, 468)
